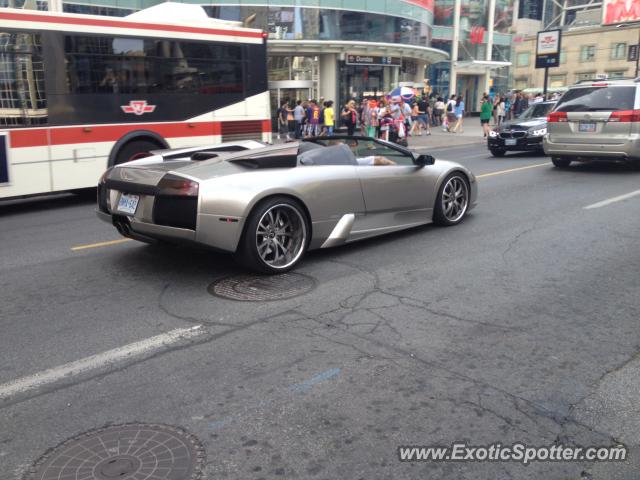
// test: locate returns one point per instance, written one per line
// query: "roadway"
(518, 325)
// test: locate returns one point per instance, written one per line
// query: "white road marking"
(100, 360)
(609, 201)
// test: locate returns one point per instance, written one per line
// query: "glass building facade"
(473, 39)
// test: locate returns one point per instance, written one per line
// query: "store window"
(618, 51)
(585, 76)
(522, 59)
(587, 53)
(617, 74)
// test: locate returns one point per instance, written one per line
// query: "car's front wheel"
(452, 201)
(276, 236)
(497, 152)
(560, 162)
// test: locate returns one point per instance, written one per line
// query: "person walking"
(501, 111)
(486, 110)
(329, 117)
(450, 116)
(438, 110)
(313, 125)
(349, 117)
(298, 116)
(283, 128)
(459, 114)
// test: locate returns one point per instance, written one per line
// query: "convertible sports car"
(270, 204)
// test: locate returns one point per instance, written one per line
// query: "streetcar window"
(129, 65)
(23, 100)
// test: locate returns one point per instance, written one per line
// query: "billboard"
(548, 49)
(620, 11)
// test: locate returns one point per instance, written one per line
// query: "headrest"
(333, 155)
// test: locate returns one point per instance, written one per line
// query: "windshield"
(537, 111)
(598, 99)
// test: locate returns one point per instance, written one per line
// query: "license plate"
(128, 203)
(588, 127)
(510, 141)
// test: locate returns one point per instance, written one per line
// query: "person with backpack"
(450, 116)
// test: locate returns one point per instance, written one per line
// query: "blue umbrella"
(405, 93)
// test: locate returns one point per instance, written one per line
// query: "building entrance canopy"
(315, 47)
(479, 67)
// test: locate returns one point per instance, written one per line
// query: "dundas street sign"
(372, 60)
(548, 49)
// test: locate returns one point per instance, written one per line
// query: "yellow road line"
(500, 172)
(100, 244)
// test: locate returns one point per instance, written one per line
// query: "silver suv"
(595, 120)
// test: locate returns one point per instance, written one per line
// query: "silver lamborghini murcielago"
(270, 204)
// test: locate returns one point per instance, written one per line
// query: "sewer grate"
(126, 452)
(257, 288)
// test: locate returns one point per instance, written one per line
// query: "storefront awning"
(479, 67)
(317, 47)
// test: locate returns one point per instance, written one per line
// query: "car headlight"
(539, 132)
(493, 133)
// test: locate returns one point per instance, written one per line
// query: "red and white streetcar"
(79, 93)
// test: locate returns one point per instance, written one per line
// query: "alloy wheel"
(455, 199)
(281, 235)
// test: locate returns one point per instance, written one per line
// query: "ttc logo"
(138, 107)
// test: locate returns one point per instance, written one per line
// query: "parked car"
(595, 120)
(270, 205)
(523, 133)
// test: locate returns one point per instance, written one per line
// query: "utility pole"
(489, 57)
(453, 74)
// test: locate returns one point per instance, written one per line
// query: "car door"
(394, 195)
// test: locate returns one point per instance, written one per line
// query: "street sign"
(632, 54)
(548, 49)
(372, 60)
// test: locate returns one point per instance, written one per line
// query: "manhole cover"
(125, 452)
(256, 288)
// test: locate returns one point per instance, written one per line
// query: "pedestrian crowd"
(508, 106)
(394, 119)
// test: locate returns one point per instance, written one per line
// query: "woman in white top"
(501, 111)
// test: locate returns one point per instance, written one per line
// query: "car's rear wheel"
(560, 162)
(276, 236)
(497, 152)
(452, 201)
(135, 150)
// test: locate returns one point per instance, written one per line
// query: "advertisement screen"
(620, 11)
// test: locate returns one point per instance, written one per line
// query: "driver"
(375, 160)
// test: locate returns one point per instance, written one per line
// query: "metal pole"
(546, 78)
(490, 22)
(638, 53)
(453, 76)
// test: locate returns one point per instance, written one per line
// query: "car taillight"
(555, 117)
(625, 116)
(177, 186)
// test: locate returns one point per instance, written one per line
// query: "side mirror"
(424, 160)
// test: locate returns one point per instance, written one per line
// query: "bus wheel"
(135, 150)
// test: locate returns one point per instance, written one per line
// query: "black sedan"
(524, 133)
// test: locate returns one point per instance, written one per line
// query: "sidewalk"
(438, 139)
(472, 135)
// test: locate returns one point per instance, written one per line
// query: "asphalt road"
(518, 325)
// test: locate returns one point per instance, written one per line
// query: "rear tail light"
(173, 185)
(557, 117)
(625, 116)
